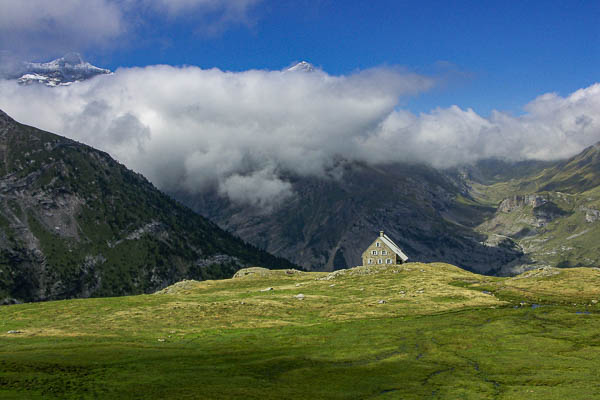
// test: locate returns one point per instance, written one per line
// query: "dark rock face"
(330, 221)
(75, 223)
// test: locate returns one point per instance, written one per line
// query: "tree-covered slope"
(75, 223)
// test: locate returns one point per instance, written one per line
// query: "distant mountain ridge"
(75, 223)
(575, 175)
(493, 217)
(60, 72)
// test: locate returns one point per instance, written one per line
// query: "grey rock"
(591, 215)
(520, 201)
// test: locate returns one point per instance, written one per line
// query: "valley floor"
(412, 331)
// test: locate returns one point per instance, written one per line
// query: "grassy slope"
(442, 333)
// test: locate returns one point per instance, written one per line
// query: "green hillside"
(405, 332)
(575, 175)
(552, 214)
(76, 223)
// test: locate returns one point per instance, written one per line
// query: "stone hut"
(383, 251)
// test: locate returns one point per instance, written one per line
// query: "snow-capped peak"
(302, 66)
(60, 72)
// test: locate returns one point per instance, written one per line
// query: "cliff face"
(75, 223)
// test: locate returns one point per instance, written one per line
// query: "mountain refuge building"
(383, 251)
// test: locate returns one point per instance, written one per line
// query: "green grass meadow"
(416, 331)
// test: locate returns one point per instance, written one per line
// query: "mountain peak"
(63, 71)
(302, 66)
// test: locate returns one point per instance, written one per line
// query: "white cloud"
(262, 189)
(233, 9)
(47, 28)
(245, 133)
(188, 128)
(44, 27)
(553, 127)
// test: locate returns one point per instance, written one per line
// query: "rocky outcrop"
(591, 214)
(519, 201)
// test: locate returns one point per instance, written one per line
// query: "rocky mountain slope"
(494, 217)
(331, 220)
(550, 210)
(75, 223)
(552, 214)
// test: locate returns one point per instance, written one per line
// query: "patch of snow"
(60, 72)
(302, 66)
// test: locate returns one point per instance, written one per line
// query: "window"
(383, 252)
(380, 261)
(388, 261)
(377, 244)
(374, 252)
(370, 261)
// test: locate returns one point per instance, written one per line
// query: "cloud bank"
(552, 127)
(245, 133)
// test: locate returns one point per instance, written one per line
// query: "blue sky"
(488, 54)
(199, 98)
(484, 54)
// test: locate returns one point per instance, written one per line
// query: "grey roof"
(385, 239)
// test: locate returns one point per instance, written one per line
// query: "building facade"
(383, 251)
